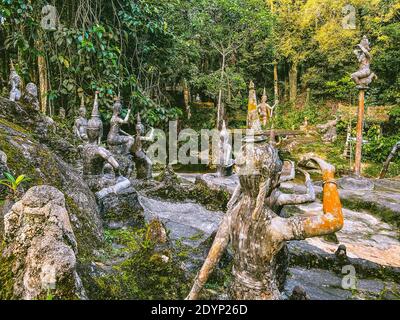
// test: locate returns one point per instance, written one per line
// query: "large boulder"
(41, 246)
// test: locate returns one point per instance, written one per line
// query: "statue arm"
(309, 196)
(126, 120)
(234, 198)
(106, 155)
(291, 175)
(332, 218)
(217, 249)
(149, 137)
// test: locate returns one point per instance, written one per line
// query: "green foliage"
(378, 147)
(13, 183)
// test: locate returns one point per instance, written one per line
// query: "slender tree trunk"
(385, 168)
(293, 82)
(42, 68)
(219, 110)
(276, 88)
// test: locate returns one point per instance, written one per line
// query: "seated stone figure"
(31, 96)
(95, 158)
(96, 117)
(256, 233)
(225, 161)
(117, 142)
(15, 83)
(80, 125)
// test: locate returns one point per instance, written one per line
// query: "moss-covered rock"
(34, 146)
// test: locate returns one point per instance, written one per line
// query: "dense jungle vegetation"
(151, 51)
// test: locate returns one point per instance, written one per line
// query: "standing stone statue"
(15, 83)
(253, 119)
(265, 110)
(80, 126)
(30, 96)
(364, 76)
(142, 161)
(117, 142)
(256, 233)
(225, 161)
(96, 117)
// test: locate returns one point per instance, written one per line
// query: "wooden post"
(360, 126)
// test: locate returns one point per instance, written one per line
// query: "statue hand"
(325, 166)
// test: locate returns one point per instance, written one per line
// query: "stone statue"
(265, 110)
(118, 143)
(364, 76)
(225, 162)
(96, 118)
(31, 96)
(142, 161)
(253, 120)
(256, 233)
(80, 126)
(95, 159)
(15, 82)
(329, 130)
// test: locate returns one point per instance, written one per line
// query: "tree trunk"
(276, 88)
(293, 82)
(219, 111)
(385, 168)
(42, 68)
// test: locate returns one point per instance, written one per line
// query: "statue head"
(259, 168)
(31, 90)
(365, 43)
(117, 106)
(264, 97)
(14, 77)
(93, 130)
(95, 125)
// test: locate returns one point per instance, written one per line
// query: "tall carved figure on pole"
(256, 232)
(363, 77)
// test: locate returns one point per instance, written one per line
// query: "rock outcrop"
(42, 247)
(44, 151)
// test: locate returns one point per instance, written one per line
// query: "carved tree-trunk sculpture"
(256, 232)
(392, 153)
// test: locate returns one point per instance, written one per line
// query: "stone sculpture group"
(252, 224)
